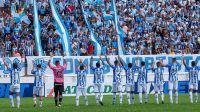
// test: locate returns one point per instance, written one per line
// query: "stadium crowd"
(148, 27)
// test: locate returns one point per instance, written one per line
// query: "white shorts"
(80, 91)
(193, 86)
(117, 87)
(98, 88)
(173, 85)
(130, 87)
(142, 87)
(158, 87)
(15, 88)
(38, 91)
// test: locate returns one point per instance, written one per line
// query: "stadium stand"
(145, 27)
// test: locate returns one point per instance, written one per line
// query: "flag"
(19, 17)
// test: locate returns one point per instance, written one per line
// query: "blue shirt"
(173, 71)
(158, 78)
(39, 78)
(14, 76)
(98, 75)
(142, 75)
(130, 74)
(81, 78)
(193, 74)
(117, 78)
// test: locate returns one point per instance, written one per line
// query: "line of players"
(119, 65)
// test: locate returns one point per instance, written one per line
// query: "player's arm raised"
(101, 60)
(91, 60)
(81, 62)
(6, 64)
(183, 61)
(108, 61)
(163, 65)
(78, 66)
(120, 60)
(49, 63)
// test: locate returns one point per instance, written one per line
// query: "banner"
(4, 71)
(72, 62)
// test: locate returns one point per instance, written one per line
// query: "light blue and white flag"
(37, 30)
(19, 17)
(61, 29)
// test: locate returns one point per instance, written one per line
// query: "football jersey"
(142, 75)
(173, 71)
(130, 74)
(58, 72)
(98, 74)
(14, 76)
(39, 78)
(158, 75)
(193, 74)
(81, 78)
(117, 77)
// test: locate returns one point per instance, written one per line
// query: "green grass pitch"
(68, 105)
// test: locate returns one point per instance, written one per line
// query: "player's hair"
(193, 63)
(57, 62)
(129, 65)
(39, 66)
(98, 65)
(116, 62)
(81, 67)
(142, 63)
(14, 65)
(158, 64)
(173, 59)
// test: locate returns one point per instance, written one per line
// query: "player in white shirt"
(142, 81)
(130, 83)
(15, 82)
(117, 79)
(81, 82)
(173, 78)
(158, 82)
(98, 80)
(193, 79)
(38, 88)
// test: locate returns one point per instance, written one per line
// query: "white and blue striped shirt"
(117, 77)
(158, 75)
(173, 71)
(29, 50)
(142, 75)
(39, 78)
(14, 76)
(81, 78)
(130, 74)
(98, 75)
(193, 74)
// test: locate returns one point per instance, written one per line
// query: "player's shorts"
(142, 87)
(38, 91)
(15, 88)
(173, 85)
(58, 87)
(80, 90)
(98, 88)
(193, 86)
(158, 87)
(130, 87)
(117, 87)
